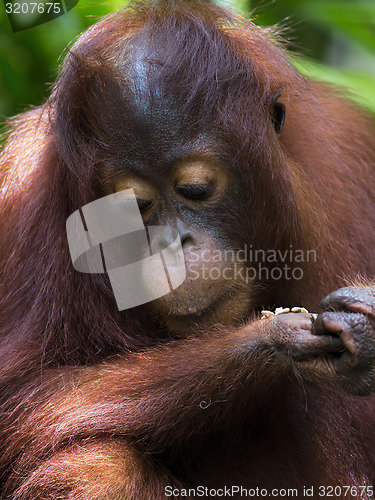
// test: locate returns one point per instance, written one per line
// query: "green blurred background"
(335, 41)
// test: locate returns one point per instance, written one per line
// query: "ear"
(278, 114)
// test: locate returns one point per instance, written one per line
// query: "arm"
(123, 411)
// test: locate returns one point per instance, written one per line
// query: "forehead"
(154, 103)
(162, 127)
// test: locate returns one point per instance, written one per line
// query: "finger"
(361, 308)
(350, 298)
(348, 341)
(337, 300)
(327, 322)
(308, 345)
(297, 321)
(330, 344)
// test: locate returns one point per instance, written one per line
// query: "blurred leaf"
(354, 19)
(357, 85)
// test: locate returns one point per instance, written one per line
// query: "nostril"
(187, 239)
(184, 239)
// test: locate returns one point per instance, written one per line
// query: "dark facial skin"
(180, 181)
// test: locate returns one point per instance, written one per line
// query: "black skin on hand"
(349, 314)
(338, 347)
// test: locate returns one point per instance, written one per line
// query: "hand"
(349, 316)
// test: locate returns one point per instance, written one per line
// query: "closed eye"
(143, 205)
(195, 191)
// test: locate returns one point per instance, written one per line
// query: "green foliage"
(29, 59)
(335, 40)
(357, 85)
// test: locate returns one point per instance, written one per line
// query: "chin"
(190, 316)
